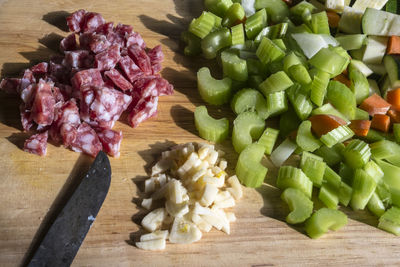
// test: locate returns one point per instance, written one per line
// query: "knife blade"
(66, 234)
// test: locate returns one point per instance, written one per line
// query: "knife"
(66, 234)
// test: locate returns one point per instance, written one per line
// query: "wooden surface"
(32, 188)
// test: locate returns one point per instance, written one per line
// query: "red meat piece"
(108, 59)
(134, 38)
(37, 144)
(75, 20)
(92, 21)
(131, 70)
(26, 120)
(69, 43)
(89, 77)
(116, 77)
(111, 141)
(145, 108)
(140, 58)
(86, 140)
(40, 68)
(76, 59)
(43, 104)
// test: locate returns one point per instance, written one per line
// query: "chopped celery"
(276, 82)
(215, 41)
(391, 6)
(255, 23)
(363, 188)
(292, 59)
(331, 155)
(314, 167)
(203, 25)
(248, 169)
(375, 205)
(350, 21)
(352, 41)
(391, 174)
(250, 99)
(387, 150)
(246, 127)
(356, 154)
(319, 23)
(193, 44)
(268, 139)
(374, 136)
(300, 101)
(212, 91)
(342, 98)
(332, 178)
(218, 7)
(288, 122)
(233, 66)
(337, 135)
(384, 194)
(318, 87)
(396, 132)
(305, 138)
(323, 220)
(276, 103)
(328, 196)
(359, 84)
(237, 34)
(255, 67)
(390, 221)
(345, 193)
(346, 173)
(277, 10)
(375, 49)
(280, 44)
(255, 80)
(268, 51)
(311, 43)
(302, 11)
(289, 176)
(283, 152)
(275, 67)
(210, 128)
(361, 66)
(378, 22)
(299, 204)
(217, 21)
(329, 61)
(299, 74)
(272, 32)
(303, 28)
(361, 114)
(373, 170)
(328, 109)
(233, 15)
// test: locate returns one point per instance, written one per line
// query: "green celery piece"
(305, 138)
(277, 10)
(350, 21)
(272, 32)
(337, 135)
(289, 176)
(233, 15)
(255, 23)
(396, 132)
(303, 28)
(250, 99)
(388, 150)
(340, 51)
(193, 44)
(255, 67)
(268, 139)
(280, 44)
(300, 101)
(373, 170)
(299, 74)
(213, 91)
(246, 127)
(276, 103)
(276, 82)
(299, 204)
(248, 169)
(233, 66)
(363, 188)
(332, 178)
(302, 11)
(314, 167)
(390, 221)
(328, 109)
(391, 174)
(375, 205)
(255, 80)
(203, 25)
(329, 61)
(275, 67)
(282, 152)
(323, 220)
(347, 173)
(268, 51)
(292, 59)
(209, 128)
(345, 193)
(319, 86)
(288, 122)
(384, 194)
(328, 196)
(351, 41)
(319, 23)
(358, 53)
(331, 155)
(217, 21)
(237, 34)
(218, 7)
(341, 97)
(215, 41)
(359, 84)
(356, 154)
(361, 114)
(374, 136)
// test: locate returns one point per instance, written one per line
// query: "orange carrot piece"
(393, 47)
(393, 98)
(375, 105)
(343, 79)
(322, 124)
(333, 19)
(360, 127)
(381, 122)
(394, 115)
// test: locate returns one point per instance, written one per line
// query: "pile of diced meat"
(75, 99)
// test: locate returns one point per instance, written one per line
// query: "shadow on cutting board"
(58, 19)
(75, 177)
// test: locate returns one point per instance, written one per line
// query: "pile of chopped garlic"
(191, 181)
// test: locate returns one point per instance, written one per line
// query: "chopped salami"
(65, 113)
(58, 72)
(111, 141)
(76, 59)
(131, 70)
(94, 42)
(164, 87)
(27, 95)
(40, 68)
(27, 79)
(43, 106)
(89, 77)
(134, 38)
(92, 21)
(155, 54)
(26, 120)
(58, 96)
(69, 43)
(123, 29)
(10, 85)
(75, 20)
(106, 28)
(86, 140)
(116, 77)
(145, 108)
(108, 59)
(115, 39)
(37, 144)
(140, 58)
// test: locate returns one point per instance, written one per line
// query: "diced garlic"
(226, 203)
(212, 157)
(176, 210)
(188, 165)
(154, 244)
(147, 202)
(230, 216)
(218, 182)
(223, 195)
(199, 174)
(216, 170)
(209, 195)
(214, 220)
(204, 226)
(161, 166)
(162, 179)
(236, 191)
(224, 220)
(154, 219)
(159, 234)
(203, 152)
(184, 232)
(199, 209)
(176, 191)
(223, 164)
(150, 185)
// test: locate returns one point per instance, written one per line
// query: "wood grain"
(32, 188)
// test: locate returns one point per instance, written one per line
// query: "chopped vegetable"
(375, 105)
(356, 154)
(381, 122)
(255, 23)
(390, 221)
(393, 98)
(246, 127)
(210, 128)
(323, 124)
(299, 204)
(323, 220)
(249, 169)
(215, 92)
(268, 51)
(393, 47)
(342, 98)
(328, 196)
(314, 167)
(250, 99)
(234, 15)
(268, 139)
(293, 177)
(363, 188)
(283, 152)
(215, 41)
(360, 127)
(337, 135)
(233, 66)
(203, 25)
(305, 139)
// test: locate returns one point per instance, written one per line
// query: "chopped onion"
(283, 152)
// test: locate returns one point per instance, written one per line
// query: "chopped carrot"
(322, 124)
(393, 98)
(375, 105)
(381, 122)
(393, 47)
(343, 79)
(394, 115)
(333, 19)
(360, 127)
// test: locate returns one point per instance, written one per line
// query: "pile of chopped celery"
(330, 74)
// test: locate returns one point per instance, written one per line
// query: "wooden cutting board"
(32, 187)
